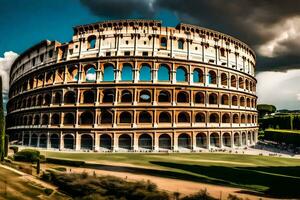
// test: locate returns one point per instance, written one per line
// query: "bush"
(27, 155)
(282, 136)
(48, 191)
(14, 148)
(202, 194)
(74, 163)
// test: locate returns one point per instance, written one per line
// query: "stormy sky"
(270, 27)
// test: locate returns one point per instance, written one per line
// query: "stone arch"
(213, 98)
(164, 73)
(26, 139)
(72, 73)
(145, 141)
(126, 96)
(54, 141)
(241, 83)
(91, 42)
(45, 119)
(181, 74)
(182, 97)
(89, 73)
(164, 117)
(164, 141)
(183, 117)
(43, 140)
(214, 140)
(86, 142)
(235, 118)
(55, 119)
(37, 120)
(126, 73)
(236, 139)
(70, 97)
(197, 76)
(125, 117)
(108, 96)
(224, 80)
(109, 72)
(200, 117)
(145, 96)
(201, 140)
(244, 139)
(105, 141)
(68, 141)
(39, 100)
(34, 140)
(86, 118)
(226, 139)
(226, 118)
(164, 96)
(233, 81)
(200, 98)
(69, 119)
(88, 96)
(145, 117)
(125, 141)
(225, 99)
(47, 99)
(212, 77)
(57, 98)
(106, 117)
(214, 118)
(184, 141)
(145, 72)
(243, 118)
(234, 100)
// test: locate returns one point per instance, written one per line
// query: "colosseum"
(135, 85)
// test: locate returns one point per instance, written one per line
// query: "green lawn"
(283, 130)
(273, 176)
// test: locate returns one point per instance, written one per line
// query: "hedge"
(283, 136)
(27, 155)
(75, 163)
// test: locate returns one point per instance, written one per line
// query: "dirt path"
(168, 184)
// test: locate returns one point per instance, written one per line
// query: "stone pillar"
(96, 141)
(175, 141)
(194, 141)
(221, 140)
(61, 141)
(232, 139)
(29, 144)
(154, 75)
(77, 141)
(38, 140)
(48, 141)
(208, 140)
(115, 143)
(135, 146)
(155, 141)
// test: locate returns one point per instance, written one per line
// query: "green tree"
(264, 109)
(2, 125)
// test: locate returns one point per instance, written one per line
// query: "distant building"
(135, 85)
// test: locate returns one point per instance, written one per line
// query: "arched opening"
(243, 119)
(68, 141)
(88, 96)
(233, 81)
(34, 139)
(145, 73)
(181, 75)
(86, 118)
(106, 117)
(164, 96)
(45, 119)
(43, 141)
(109, 74)
(234, 101)
(54, 141)
(55, 119)
(236, 139)
(164, 117)
(244, 139)
(57, 98)
(226, 118)
(199, 98)
(91, 42)
(248, 119)
(126, 96)
(183, 117)
(25, 120)
(180, 44)
(214, 118)
(226, 139)
(145, 141)
(108, 96)
(184, 141)
(29, 102)
(198, 76)
(49, 77)
(70, 97)
(201, 140)
(214, 140)
(86, 142)
(69, 119)
(145, 117)
(164, 141)
(36, 120)
(72, 73)
(224, 80)
(33, 102)
(125, 142)
(235, 119)
(39, 100)
(213, 98)
(125, 117)
(224, 99)
(242, 101)
(248, 102)
(105, 141)
(145, 96)
(241, 83)
(249, 138)
(29, 120)
(127, 74)
(247, 84)
(182, 97)
(164, 73)
(26, 139)
(200, 118)
(90, 73)
(47, 99)
(212, 77)
(163, 42)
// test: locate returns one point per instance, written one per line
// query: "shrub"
(14, 148)
(283, 136)
(75, 163)
(27, 155)
(202, 194)
(48, 191)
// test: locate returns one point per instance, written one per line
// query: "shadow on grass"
(279, 182)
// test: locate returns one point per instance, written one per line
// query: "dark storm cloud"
(255, 22)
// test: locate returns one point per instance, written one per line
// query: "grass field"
(272, 176)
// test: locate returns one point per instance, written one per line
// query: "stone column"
(232, 139)
(61, 141)
(208, 140)
(48, 141)
(175, 141)
(135, 146)
(77, 141)
(115, 143)
(155, 141)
